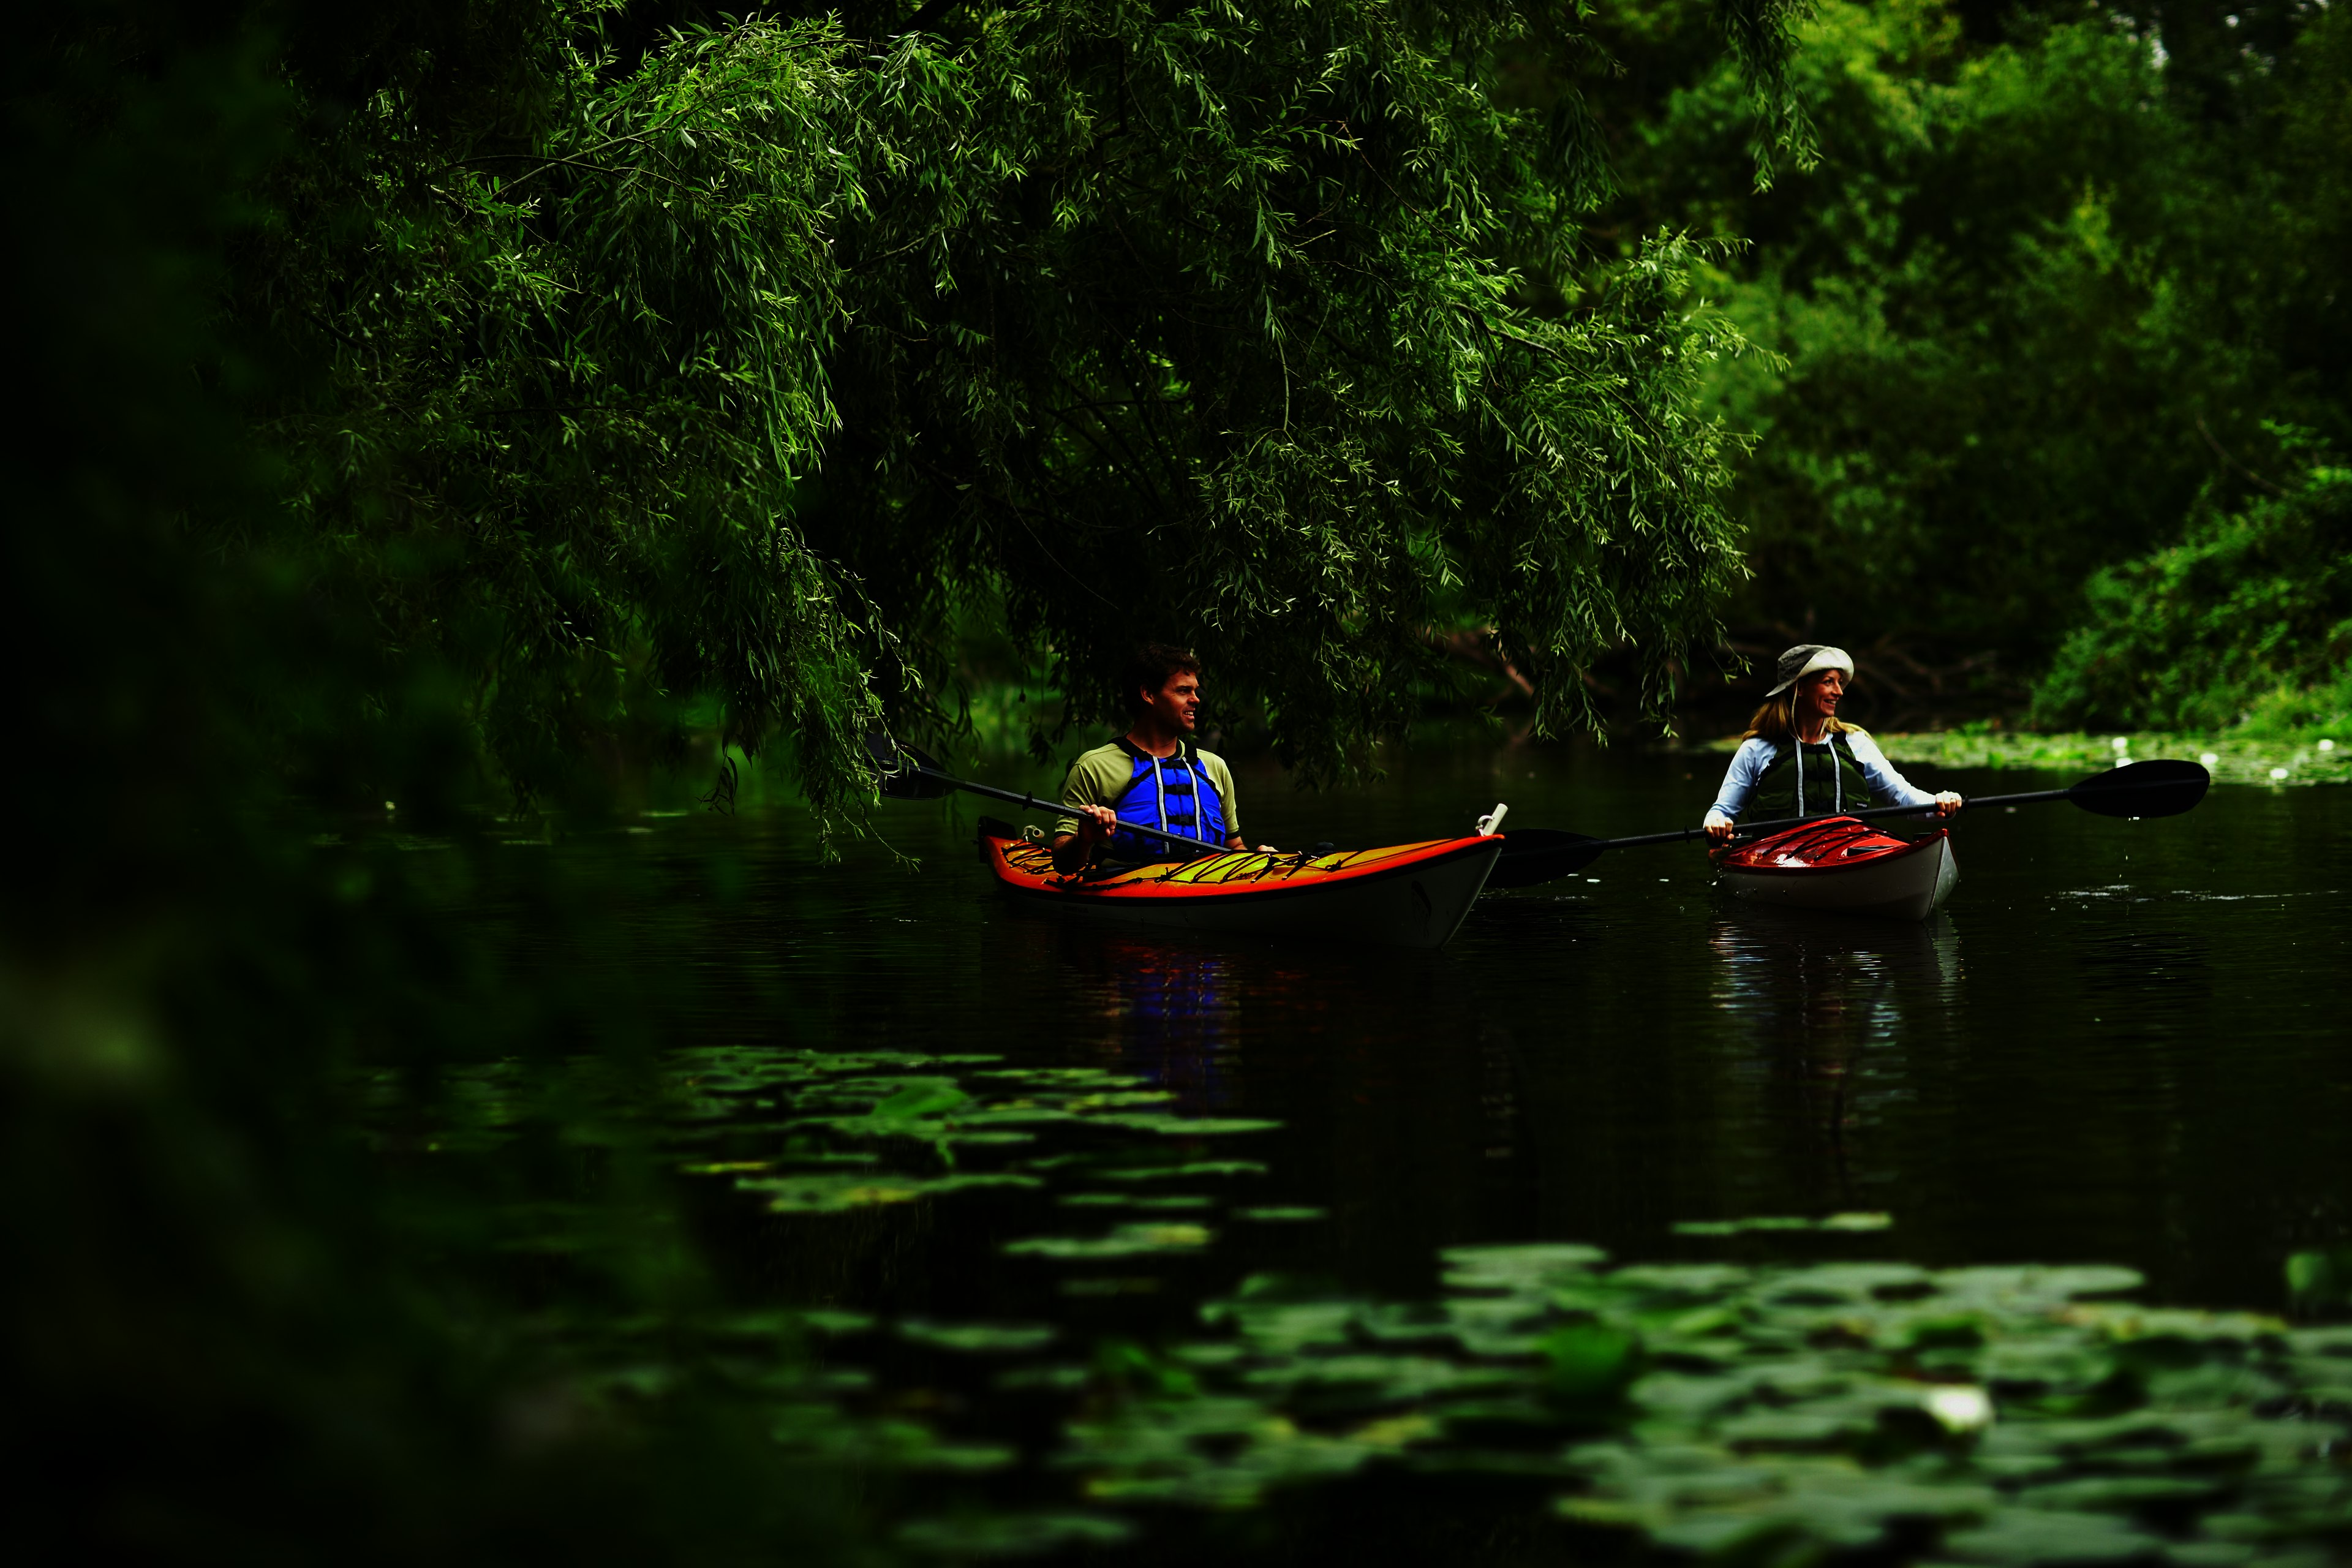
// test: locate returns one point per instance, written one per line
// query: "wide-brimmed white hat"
(1806, 658)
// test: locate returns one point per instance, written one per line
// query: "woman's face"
(1817, 697)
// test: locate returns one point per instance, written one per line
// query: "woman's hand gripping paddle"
(2161, 788)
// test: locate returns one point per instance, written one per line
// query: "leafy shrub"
(2249, 620)
(2032, 270)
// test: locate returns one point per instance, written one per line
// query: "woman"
(1799, 759)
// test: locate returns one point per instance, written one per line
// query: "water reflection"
(2169, 965)
(1830, 980)
(1397, 1086)
(1823, 1013)
(1169, 1011)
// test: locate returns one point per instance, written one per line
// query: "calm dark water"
(2121, 1042)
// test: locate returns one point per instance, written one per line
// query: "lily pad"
(1516, 1267)
(1171, 1126)
(1126, 1241)
(834, 1194)
(987, 1338)
(1013, 1534)
(2046, 1536)
(1189, 1171)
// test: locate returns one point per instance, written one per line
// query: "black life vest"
(1819, 780)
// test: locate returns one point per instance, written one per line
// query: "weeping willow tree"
(658, 358)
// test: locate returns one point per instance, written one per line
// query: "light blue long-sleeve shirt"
(1747, 765)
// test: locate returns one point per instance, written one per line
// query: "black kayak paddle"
(2161, 788)
(908, 773)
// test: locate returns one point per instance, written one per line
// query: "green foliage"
(1984, 1414)
(2250, 614)
(419, 383)
(742, 362)
(2320, 1279)
(1987, 1414)
(2036, 297)
(570, 325)
(2260, 749)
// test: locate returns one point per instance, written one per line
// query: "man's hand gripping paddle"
(908, 773)
(2162, 788)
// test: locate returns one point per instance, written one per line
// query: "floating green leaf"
(1172, 1126)
(1013, 1534)
(1126, 1241)
(1513, 1268)
(1836, 1222)
(1187, 1172)
(987, 1338)
(824, 1194)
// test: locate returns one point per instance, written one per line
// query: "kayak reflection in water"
(1152, 776)
(1799, 759)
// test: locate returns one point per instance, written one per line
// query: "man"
(1152, 776)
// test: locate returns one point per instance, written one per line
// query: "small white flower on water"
(2210, 758)
(2121, 743)
(2326, 745)
(1959, 1408)
(2278, 772)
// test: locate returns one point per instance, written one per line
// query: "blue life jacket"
(1170, 793)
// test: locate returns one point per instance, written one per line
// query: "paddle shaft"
(1014, 797)
(1748, 830)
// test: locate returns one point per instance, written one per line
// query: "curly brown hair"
(1153, 666)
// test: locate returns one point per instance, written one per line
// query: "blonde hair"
(1777, 720)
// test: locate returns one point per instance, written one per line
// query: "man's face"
(1178, 703)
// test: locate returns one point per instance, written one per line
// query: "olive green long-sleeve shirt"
(1100, 776)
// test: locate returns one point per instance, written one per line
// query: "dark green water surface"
(1019, 1150)
(2129, 1042)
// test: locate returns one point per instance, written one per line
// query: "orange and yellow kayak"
(1401, 895)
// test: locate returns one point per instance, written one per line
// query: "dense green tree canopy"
(645, 363)
(2058, 271)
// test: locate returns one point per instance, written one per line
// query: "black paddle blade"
(2161, 788)
(1533, 855)
(915, 786)
(902, 769)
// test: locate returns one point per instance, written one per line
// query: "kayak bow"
(1839, 864)
(1402, 895)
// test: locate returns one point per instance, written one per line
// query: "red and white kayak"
(1403, 895)
(1842, 865)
